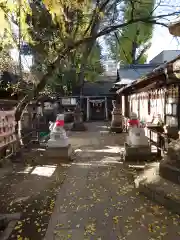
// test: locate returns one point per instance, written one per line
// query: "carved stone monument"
(137, 147)
(78, 124)
(170, 165)
(117, 118)
(58, 144)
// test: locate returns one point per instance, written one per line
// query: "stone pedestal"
(78, 124)
(58, 138)
(158, 189)
(117, 119)
(137, 153)
(170, 165)
(58, 144)
(137, 147)
(59, 153)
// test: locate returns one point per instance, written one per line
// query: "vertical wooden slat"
(178, 109)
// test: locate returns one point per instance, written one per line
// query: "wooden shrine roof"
(167, 73)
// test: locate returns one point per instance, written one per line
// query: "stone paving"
(98, 200)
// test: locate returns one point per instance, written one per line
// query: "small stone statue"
(58, 137)
(137, 147)
(136, 137)
(58, 147)
(133, 121)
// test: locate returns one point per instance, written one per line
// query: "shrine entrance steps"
(158, 189)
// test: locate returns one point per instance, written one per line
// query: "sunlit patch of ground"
(95, 196)
(32, 191)
(100, 201)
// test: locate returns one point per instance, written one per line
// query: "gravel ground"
(91, 198)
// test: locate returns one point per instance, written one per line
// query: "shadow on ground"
(31, 190)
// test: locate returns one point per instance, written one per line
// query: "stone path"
(98, 199)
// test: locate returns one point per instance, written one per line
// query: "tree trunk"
(35, 92)
(84, 61)
(88, 46)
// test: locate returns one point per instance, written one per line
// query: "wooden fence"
(8, 137)
(11, 141)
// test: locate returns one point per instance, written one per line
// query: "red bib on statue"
(60, 123)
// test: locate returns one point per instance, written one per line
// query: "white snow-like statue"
(136, 137)
(137, 147)
(58, 137)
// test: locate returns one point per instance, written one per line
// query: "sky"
(162, 40)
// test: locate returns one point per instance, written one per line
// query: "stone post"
(87, 109)
(106, 109)
(117, 118)
(78, 124)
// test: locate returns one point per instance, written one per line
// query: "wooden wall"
(145, 104)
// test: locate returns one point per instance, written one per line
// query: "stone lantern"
(117, 118)
(78, 124)
(174, 27)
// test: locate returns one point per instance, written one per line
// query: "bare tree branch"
(132, 9)
(64, 52)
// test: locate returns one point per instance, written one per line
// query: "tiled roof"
(132, 72)
(97, 88)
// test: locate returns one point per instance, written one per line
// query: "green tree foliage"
(66, 79)
(94, 64)
(76, 25)
(131, 43)
(47, 36)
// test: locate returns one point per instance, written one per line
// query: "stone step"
(140, 153)
(158, 189)
(169, 172)
(7, 224)
(140, 167)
